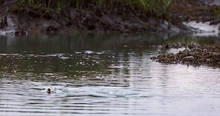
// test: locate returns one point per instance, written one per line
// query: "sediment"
(193, 54)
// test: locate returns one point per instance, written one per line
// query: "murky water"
(101, 76)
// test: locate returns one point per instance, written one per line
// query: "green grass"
(149, 7)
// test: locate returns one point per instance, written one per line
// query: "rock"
(174, 29)
(166, 26)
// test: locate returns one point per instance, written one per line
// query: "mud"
(98, 20)
(193, 54)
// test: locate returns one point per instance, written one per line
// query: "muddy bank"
(21, 21)
(193, 54)
(93, 19)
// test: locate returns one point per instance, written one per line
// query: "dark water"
(102, 75)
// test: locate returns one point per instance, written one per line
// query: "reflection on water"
(100, 79)
(78, 42)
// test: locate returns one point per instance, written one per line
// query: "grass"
(149, 7)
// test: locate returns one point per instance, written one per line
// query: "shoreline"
(20, 21)
(94, 19)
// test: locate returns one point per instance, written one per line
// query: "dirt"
(96, 20)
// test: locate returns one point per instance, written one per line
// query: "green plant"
(217, 13)
(152, 7)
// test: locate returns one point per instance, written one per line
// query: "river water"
(102, 75)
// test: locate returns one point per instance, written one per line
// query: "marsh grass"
(150, 7)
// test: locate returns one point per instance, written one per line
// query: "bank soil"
(93, 19)
(96, 19)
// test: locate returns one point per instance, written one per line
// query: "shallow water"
(96, 76)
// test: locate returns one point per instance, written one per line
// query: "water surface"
(102, 75)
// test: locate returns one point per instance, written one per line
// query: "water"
(101, 75)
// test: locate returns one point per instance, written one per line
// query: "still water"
(101, 76)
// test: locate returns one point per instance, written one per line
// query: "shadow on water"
(43, 44)
(102, 75)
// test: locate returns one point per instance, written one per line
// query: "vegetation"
(150, 7)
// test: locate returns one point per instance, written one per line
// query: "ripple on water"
(129, 85)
